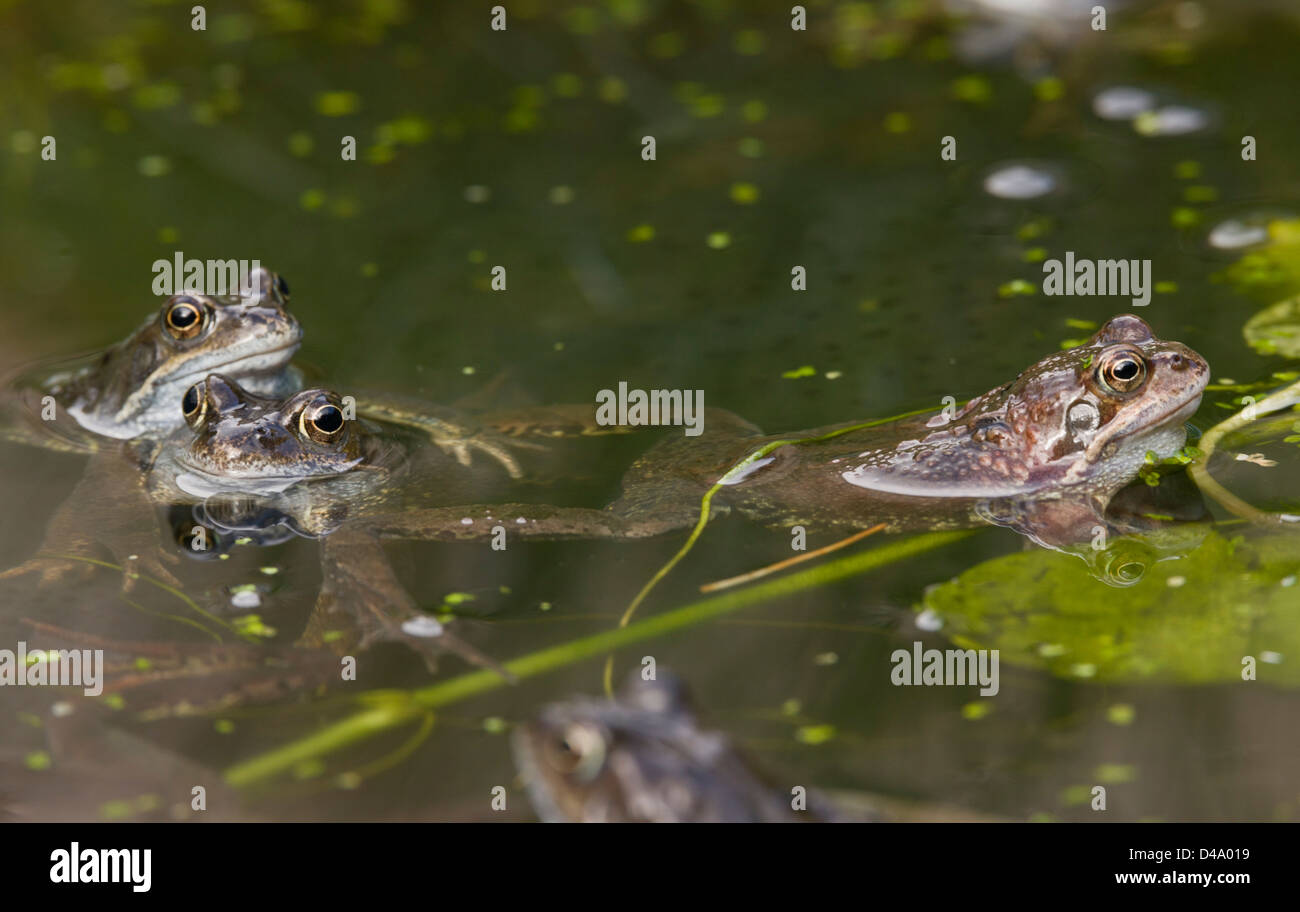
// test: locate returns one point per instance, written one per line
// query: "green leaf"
(1184, 621)
(1275, 330)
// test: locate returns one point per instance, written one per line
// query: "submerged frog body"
(644, 758)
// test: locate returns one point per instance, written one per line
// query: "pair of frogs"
(206, 406)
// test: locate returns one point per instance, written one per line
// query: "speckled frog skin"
(1082, 419)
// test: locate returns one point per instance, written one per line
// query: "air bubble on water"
(1171, 120)
(246, 598)
(929, 620)
(1122, 103)
(1235, 234)
(1020, 182)
(61, 709)
(1288, 581)
(423, 626)
(1272, 658)
(466, 521)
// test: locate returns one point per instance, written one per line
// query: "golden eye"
(195, 405)
(1122, 370)
(184, 317)
(322, 421)
(579, 752)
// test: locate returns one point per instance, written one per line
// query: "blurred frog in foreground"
(644, 758)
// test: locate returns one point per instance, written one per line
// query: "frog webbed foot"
(429, 638)
(69, 569)
(50, 570)
(462, 447)
(454, 437)
(362, 603)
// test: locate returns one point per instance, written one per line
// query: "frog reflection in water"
(644, 758)
(1043, 454)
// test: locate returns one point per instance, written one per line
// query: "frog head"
(133, 388)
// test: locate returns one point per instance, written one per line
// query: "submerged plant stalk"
(397, 708)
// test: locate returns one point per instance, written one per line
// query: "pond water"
(775, 148)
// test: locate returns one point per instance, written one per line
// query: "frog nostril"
(1177, 362)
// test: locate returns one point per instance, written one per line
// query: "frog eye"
(184, 317)
(1121, 370)
(194, 405)
(322, 421)
(579, 752)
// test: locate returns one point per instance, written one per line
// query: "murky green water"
(775, 148)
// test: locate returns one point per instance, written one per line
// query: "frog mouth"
(1176, 415)
(198, 481)
(223, 367)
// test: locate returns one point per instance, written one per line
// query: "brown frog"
(131, 389)
(646, 758)
(104, 404)
(1061, 438)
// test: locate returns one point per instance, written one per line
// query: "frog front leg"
(361, 603)
(453, 437)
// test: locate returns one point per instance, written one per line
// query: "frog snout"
(1182, 359)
